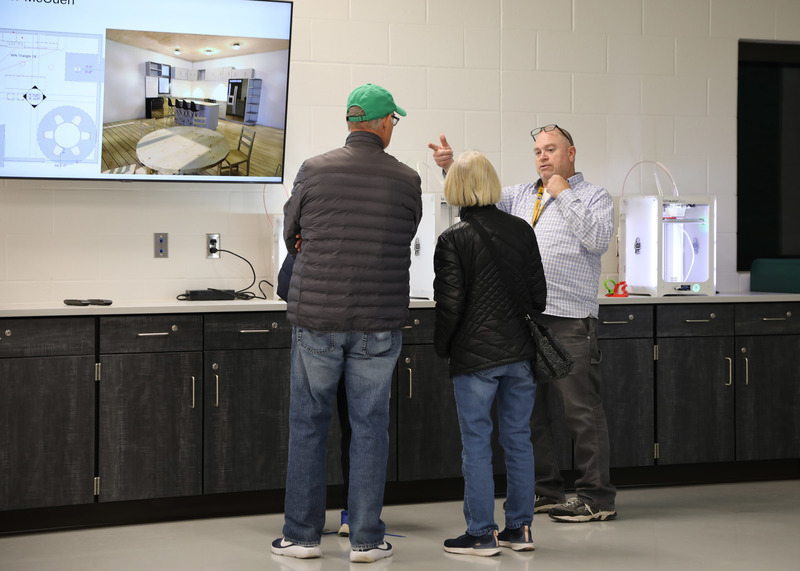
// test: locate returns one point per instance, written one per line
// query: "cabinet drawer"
(46, 337)
(151, 333)
(419, 329)
(625, 321)
(694, 320)
(262, 330)
(767, 318)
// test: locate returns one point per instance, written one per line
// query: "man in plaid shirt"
(573, 221)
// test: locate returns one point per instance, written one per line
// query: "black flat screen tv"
(92, 90)
(768, 162)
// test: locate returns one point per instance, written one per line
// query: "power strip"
(209, 294)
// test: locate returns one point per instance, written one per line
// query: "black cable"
(243, 293)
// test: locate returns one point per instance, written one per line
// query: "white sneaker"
(370, 555)
(282, 546)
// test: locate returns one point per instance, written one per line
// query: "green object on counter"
(775, 275)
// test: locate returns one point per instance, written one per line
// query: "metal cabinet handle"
(174, 328)
(216, 382)
(410, 382)
(730, 371)
(710, 317)
(773, 319)
(192, 392)
(746, 371)
(245, 331)
(623, 322)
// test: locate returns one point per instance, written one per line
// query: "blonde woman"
(480, 329)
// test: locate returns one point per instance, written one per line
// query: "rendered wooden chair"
(241, 154)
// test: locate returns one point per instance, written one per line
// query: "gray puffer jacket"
(478, 323)
(357, 209)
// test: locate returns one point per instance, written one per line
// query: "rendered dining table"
(182, 150)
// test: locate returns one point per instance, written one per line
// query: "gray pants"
(585, 418)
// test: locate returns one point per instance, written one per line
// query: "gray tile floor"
(729, 527)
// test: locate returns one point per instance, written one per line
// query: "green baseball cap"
(375, 101)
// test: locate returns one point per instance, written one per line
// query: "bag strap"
(505, 276)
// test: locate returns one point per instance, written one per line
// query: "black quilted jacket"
(478, 325)
(357, 209)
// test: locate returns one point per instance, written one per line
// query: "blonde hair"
(471, 181)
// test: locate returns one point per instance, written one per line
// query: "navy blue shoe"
(519, 539)
(467, 544)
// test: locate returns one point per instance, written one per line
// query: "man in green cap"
(350, 220)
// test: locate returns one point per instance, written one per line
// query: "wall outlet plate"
(161, 245)
(212, 241)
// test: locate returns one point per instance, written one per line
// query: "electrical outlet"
(161, 245)
(212, 241)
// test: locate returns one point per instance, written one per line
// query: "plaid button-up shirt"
(573, 231)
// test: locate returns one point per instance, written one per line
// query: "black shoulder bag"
(553, 361)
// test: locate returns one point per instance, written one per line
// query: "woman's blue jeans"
(367, 360)
(515, 391)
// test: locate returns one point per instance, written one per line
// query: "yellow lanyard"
(537, 209)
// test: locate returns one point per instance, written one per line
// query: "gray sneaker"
(575, 510)
(544, 504)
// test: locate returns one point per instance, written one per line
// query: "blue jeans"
(515, 390)
(367, 360)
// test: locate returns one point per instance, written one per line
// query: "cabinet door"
(428, 436)
(767, 397)
(627, 390)
(246, 420)
(46, 432)
(150, 425)
(695, 400)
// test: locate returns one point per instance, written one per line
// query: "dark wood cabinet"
(113, 408)
(151, 407)
(625, 337)
(246, 426)
(428, 435)
(695, 383)
(728, 381)
(767, 350)
(47, 420)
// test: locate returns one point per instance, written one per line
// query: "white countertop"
(740, 297)
(55, 309)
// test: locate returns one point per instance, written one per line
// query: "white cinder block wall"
(632, 79)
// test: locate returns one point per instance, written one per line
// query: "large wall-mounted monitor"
(79, 101)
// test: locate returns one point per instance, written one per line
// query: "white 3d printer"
(668, 245)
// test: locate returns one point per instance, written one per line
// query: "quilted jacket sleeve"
(449, 291)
